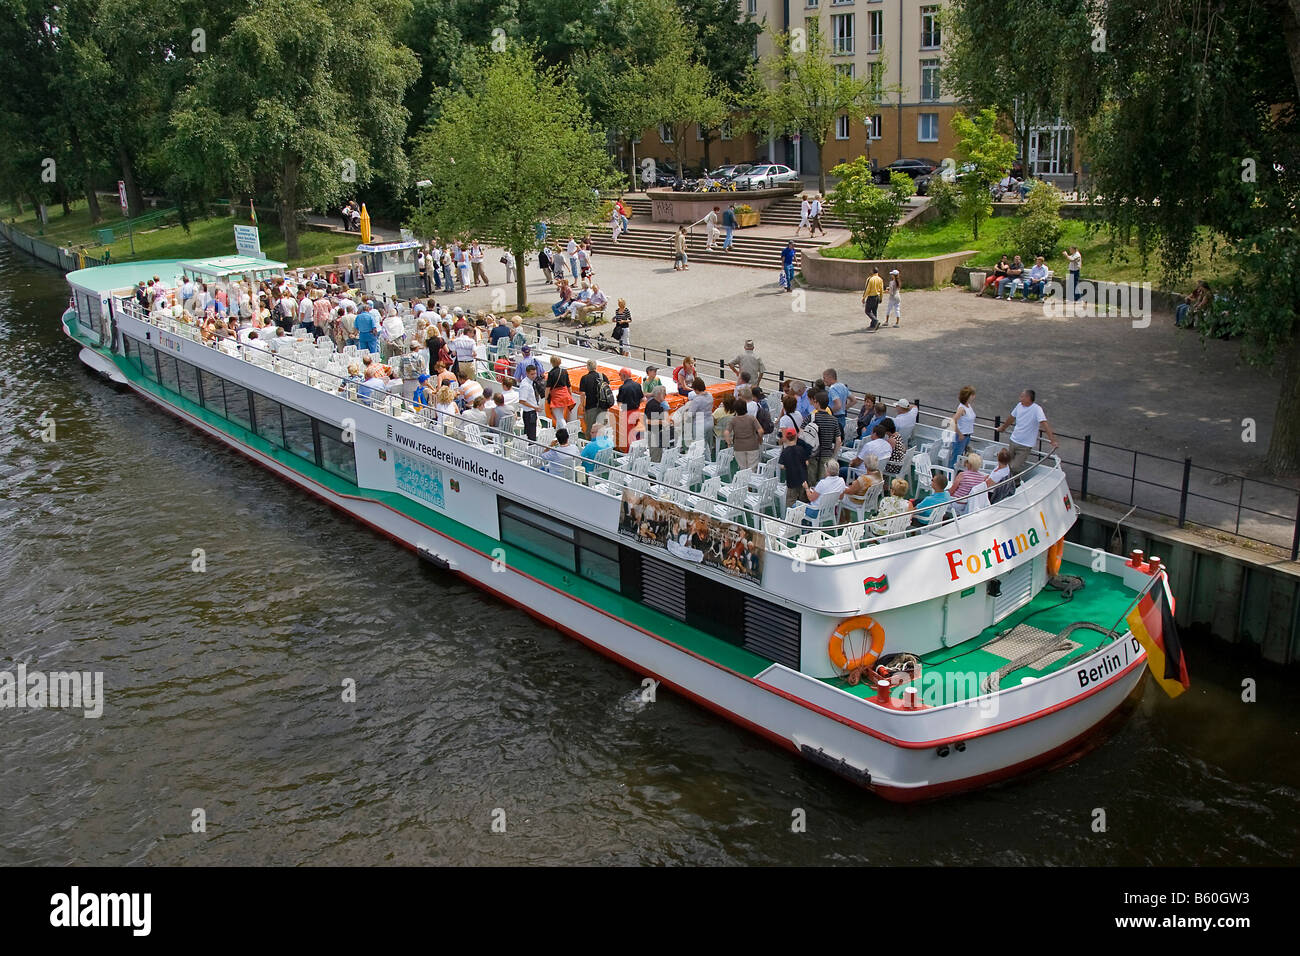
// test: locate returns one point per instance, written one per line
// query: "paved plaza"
(1157, 389)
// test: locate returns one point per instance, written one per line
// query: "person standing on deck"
(1026, 420)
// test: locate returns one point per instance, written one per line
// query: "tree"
(871, 213)
(1188, 119)
(1038, 226)
(987, 63)
(310, 113)
(515, 149)
(679, 95)
(988, 154)
(797, 89)
(723, 41)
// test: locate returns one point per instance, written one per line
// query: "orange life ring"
(861, 622)
(1054, 554)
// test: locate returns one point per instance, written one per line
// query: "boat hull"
(903, 756)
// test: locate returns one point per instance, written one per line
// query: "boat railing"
(805, 541)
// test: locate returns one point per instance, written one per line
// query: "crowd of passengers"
(832, 443)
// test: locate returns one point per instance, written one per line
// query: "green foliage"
(800, 91)
(989, 155)
(944, 197)
(515, 148)
(871, 213)
(1038, 227)
(313, 114)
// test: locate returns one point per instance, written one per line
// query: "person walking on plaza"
(894, 305)
(787, 266)
(871, 298)
(572, 251)
(711, 227)
(805, 214)
(729, 224)
(1026, 420)
(815, 216)
(680, 263)
(1075, 259)
(476, 263)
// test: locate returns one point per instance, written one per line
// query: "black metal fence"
(1173, 488)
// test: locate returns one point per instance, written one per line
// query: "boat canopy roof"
(117, 276)
(224, 267)
(389, 246)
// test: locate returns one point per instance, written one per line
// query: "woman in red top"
(563, 406)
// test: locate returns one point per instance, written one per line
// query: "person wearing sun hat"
(894, 304)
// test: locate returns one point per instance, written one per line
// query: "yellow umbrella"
(365, 225)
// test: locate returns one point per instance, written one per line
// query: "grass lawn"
(1102, 259)
(207, 237)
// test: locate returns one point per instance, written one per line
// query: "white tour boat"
(1008, 646)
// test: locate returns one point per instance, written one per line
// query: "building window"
(724, 132)
(751, 7)
(875, 31)
(930, 39)
(840, 3)
(665, 134)
(877, 68)
(929, 80)
(842, 33)
(699, 133)
(845, 70)
(811, 4)
(841, 127)
(873, 127)
(927, 128)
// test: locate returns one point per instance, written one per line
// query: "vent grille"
(772, 631)
(663, 587)
(1017, 588)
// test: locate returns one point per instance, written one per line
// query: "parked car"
(729, 172)
(765, 176)
(915, 168)
(668, 176)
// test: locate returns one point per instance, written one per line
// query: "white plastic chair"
(763, 499)
(827, 507)
(721, 467)
(870, 501)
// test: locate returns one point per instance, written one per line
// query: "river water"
(224, 694)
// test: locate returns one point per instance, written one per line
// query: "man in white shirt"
(529, 403)
(394, 327)
(1036, 280)
(905, 415)
(1025, 422)
(831, 484)
(815, 216)
(711, 225)
(571, 250)
(560, 453)
(462, 349)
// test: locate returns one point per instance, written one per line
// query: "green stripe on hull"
(692, 639)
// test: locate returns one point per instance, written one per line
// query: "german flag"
(1152, 623)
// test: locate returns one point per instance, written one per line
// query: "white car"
(765, 176)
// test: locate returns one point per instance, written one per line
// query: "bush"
(973, 203)
(1038, 227)
(944, 198)
(871, 213)
(744, 207)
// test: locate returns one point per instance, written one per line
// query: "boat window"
(131, 349)
(537, 534)
(148, 361)
(188, 377)
(214, 398)
(266, 415)
(337, 456)
(237, 404)
(167, 371)
(598, 559)
(298, 434)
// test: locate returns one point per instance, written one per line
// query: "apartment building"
(900, 39)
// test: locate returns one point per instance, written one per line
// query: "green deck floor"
(1101, 600)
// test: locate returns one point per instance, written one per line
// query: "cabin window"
(298, 434)
(167, 371)
(537, 534)
(214, 398)
(237, 409)
(336, 455)
(131, 349)
(598, 559)
(188, 377)
(148, 361)
(266, 418)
